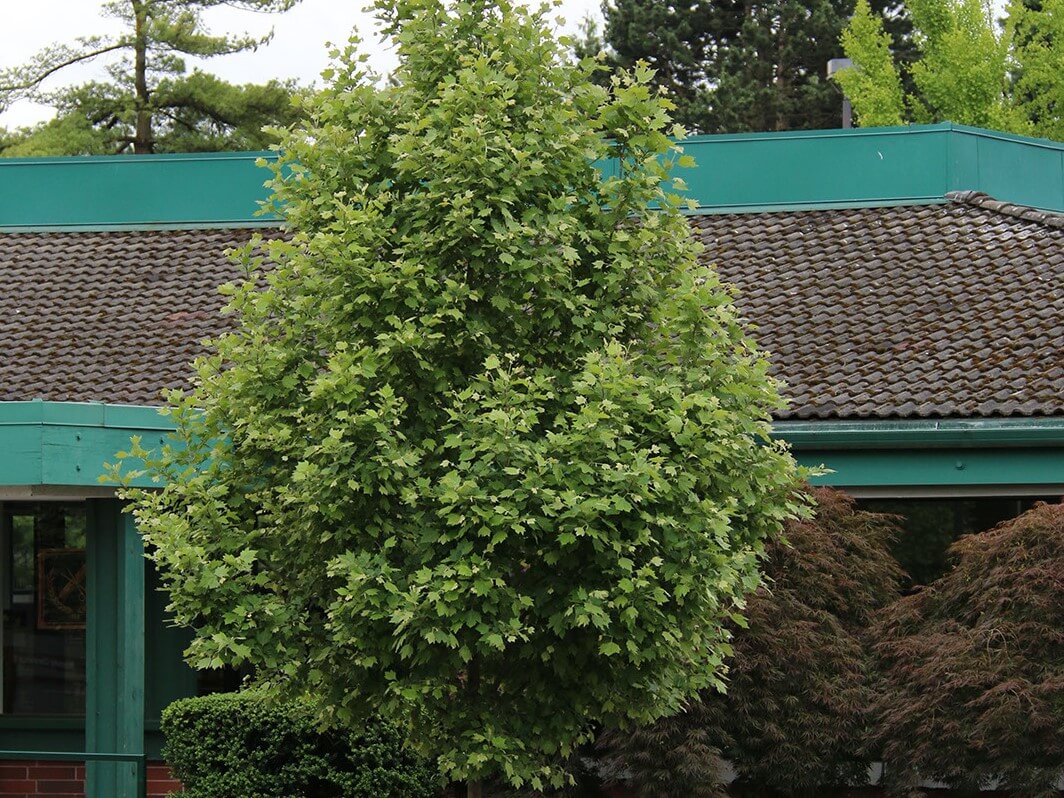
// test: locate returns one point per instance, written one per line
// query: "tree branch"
(39, 77)
(200, 108)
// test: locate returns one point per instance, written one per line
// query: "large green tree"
(488, 451)
(970, 68)
(740, 65)
(149, 102)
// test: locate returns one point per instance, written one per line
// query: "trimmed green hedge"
(236, 745)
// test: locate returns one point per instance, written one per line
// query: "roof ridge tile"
(1028, 213)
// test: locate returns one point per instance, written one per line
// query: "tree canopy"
(734, 66)
(150, 102)
(969, 69)
(488, 451)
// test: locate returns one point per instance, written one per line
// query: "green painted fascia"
(973, 453)
(943, 467)
(83, 414)
(930, 434)
(67, 443)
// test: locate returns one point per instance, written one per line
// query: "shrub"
(795, 715)
(677, 756)
(974, 665)
(238, 745)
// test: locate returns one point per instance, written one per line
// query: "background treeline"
(733, 66)
(729, 66)
(969, 67)
(760, 65)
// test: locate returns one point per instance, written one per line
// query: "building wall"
(52, 779)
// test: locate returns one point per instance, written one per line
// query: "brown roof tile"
(945, 310)
(938, 310)
(111, 317)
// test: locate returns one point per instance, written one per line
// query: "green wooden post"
(114, 721)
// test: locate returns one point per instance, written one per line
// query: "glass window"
(931, 525)
(42, 626)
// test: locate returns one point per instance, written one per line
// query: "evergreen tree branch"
(22, 82)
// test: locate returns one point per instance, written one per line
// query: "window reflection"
(43, 591)
(931, 525)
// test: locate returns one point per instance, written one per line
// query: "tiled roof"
(950, 310)
(109, 317)
(945, 310)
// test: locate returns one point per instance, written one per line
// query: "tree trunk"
(474, 787)
(782, 120)
(143, 140)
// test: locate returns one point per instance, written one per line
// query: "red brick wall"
(67, 780)
(160, 781)
(33, 779)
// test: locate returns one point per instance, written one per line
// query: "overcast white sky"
(296, 51)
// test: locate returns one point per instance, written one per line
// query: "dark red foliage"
(974, 665)
(795, 716)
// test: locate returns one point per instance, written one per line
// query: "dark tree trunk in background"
(143, 142)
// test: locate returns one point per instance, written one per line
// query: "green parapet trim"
(750, 172)
(95, 192)
(1018, 169)
(917, 164)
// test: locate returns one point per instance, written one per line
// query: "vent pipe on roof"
(837, 65)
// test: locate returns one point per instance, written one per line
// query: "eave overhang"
(923, 434)
(60, 448)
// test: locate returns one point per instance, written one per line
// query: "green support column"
(114, 721)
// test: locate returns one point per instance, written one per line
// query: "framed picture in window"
(61, 598)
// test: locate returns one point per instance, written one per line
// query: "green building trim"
(753, 172)
(62, 447)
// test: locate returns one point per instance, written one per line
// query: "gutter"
(1035, 431)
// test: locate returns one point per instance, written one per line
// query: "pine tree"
(742, 66)
(150, 101)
